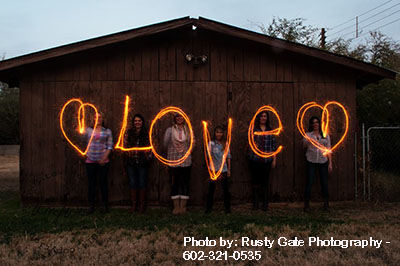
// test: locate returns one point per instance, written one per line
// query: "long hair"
(257, 121)
(143, 131)
(185, 126)
(310, 125)
(214, 138)
(103, 123)
(92, 117)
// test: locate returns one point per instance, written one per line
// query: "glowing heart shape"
(324, 124)
(251, 133)
(81, 122)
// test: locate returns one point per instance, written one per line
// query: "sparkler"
(324, 124)
(251, 133)
(120, 142)
(81, 122)
(207, 153)
(158, 116)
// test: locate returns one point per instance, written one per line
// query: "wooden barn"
(232, 72)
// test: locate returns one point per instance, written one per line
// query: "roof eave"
(324, 55)
(93, 43)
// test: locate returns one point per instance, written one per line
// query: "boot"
(307, 206)
(142, 200)
(208, 209)
(176, 203)
(91, 209)
(133, 193)
(227, 209)
(105, 209)
(326, 205)
(255, 198)
(182, 208)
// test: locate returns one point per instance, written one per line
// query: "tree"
(292, 30)
(9, 112)
(377, 104)
(384, 51)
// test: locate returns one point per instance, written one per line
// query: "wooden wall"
(239, 77)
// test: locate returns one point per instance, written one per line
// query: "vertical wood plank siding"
(239, 77)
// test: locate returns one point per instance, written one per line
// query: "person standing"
(177, 143)
(217, 148)
(260, 167)
(137, 163)
(97, 161)
(317, 161)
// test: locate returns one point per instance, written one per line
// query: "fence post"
(363, 156)
(355, 167)
(368, 176)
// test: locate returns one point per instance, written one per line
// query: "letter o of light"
(158, 116)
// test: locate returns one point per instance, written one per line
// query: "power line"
(368, 18)
(336, 32)
(362, 14)
(371, 23)
(379, 13)
(375, 8)
(380, 27)
(380, 19)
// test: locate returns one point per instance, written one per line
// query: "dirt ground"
(9, 173)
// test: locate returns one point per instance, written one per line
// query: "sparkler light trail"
(251, 133)
(324, 124)
(207, 153)
(120, 142)
(81, 122)
(158, 116)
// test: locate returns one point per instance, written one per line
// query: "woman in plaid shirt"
(177, 141)
(260, 168)
(137, 163)
(97, 162)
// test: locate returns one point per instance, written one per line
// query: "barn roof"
(372, 72)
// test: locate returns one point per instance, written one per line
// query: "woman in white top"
(316, 160)
(177, 142)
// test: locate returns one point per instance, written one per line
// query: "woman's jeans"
(225, 187)
(180, 177)
(93, 170)
(137, 174)
(260, 173)
(322, 169)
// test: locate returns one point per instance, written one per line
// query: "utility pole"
(323, 39)
(357, 27)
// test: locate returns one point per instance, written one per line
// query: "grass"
(385, 186)
(67, 236)
(57, 236)
(16, 220)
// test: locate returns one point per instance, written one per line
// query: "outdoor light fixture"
(189, 57)
(201, 59)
